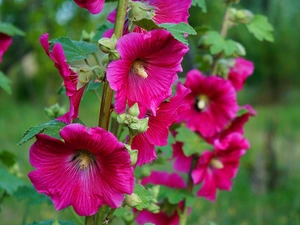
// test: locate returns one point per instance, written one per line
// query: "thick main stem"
(105, 108)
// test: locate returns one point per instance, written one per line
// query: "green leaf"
(218, 44)
(10, 30)
(53, 222)
(8, 158)
(145, 195)
(51, 128)
(168, 149)
(146, 24)
(174, 196)
(149, 224)
(30, 194)
(5, 83)
(261, 28)
(201, 4)
(192, 143)
(178, 30)
(242, 111)
(100, 31)
(9, 182)
(75, 50)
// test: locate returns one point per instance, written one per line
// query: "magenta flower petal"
(160, 218)
(5, 42)
(213, 103)
(93, 6)
(182, 163)
(171, 180)
(239, 73)
(147, 68)
(89, 169)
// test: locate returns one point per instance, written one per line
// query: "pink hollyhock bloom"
(239, 73)
(94, 6)
(88, 169)
(158, 131)
(5, 42)
(147, 69)
(171, 180)
(182, 163)
(213, 103)
(165, 11)
(69, 76)
(215, 170)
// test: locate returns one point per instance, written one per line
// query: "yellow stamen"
(138, 68)
(202, 102)
(216, 163)
(84, 160)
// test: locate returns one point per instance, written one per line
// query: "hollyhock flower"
(94, 6)
(215, 170)
(5, 42)
(158, 131)
(213, 103)
(69, 76)
(147, 69)
(171, 180)
(239, 73)
(88, 169)
(165, 11)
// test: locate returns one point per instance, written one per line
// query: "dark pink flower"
(182, 163)
(94, 6)
(215, 170)
(239, 73)
(69, 77)
(171, 180)
(147, 69)
(213, 103)
(88, 169)
(5, 42)
(165, 11)
(158, 131)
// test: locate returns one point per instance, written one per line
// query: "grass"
(242, 206)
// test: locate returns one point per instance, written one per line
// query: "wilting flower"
(69, 76)
(88, 169)
(164, 11)
(5, 42)
(215, 170)
(213, 103)
(239, 73)
(147, 69)
(94, 6)
(170, 217)
(158, 131)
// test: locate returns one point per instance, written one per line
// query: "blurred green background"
(266, 189)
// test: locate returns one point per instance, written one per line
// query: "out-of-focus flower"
(5, 42)
(94, 6)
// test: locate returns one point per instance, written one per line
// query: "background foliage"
(266, 188)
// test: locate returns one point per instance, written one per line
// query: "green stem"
(90, 220)
(108, 217)
(183, 215)
(105, 109)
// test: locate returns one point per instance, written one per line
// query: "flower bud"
(132, 200)
(143, 125)
(134, 110)
(113, 55)
(121, 118)
(128, 217)
(107, 44)
(133, 156)
(139, 11)
(54, 111)
(222, 68)
(153, 208)
(84, 77)
(244, 16)
(85, 36)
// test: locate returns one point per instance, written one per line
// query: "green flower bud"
(153, 208)
(121, 118)
(244, 16)
(222, 68)
(133, 156)
(107, 44)
(54, 111)
(132, 200)
(84, 77)
(139, 11)
(143, 125)
(113, 55)
(85, 36)
(134, 110)
(128, 217)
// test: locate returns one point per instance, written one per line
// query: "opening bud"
(107, 44)
(113, 55)
(132, 200)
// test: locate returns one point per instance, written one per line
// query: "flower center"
(83, 159)
(201, 102)
(216, 163)
(138, 68)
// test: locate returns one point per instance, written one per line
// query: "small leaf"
(201, 4)
(179, 30)
(51, 128)
(75, 50)
(30, 194)
(5, 83)
(174, 196)
(168, 150)
(8, 158)
(192, 143)
(53, 222)
(145, 195)
(146, 24)
(10, 29)
(261, 28)
(9, 182)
